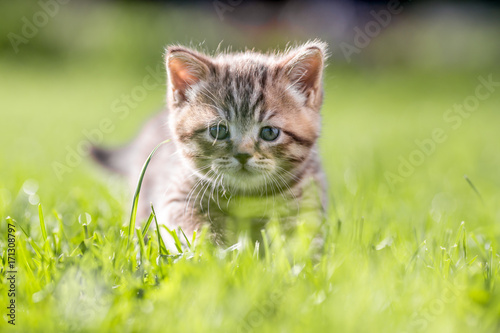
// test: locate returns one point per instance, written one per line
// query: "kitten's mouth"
(243, 174)
(250, 171)
(245, 178)
(245, 168)
(245, 171)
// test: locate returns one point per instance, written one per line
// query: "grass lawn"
(412, 246)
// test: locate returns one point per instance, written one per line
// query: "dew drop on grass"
(30, 186)
(84, 219)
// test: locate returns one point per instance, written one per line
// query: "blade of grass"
(458, 239)
(161, 244)
(267, 253)
(474, 188)
(86, 231)
(464, 242)
(148, 223)
(142, 247)
(25, 258)
(75, 250)
(149, 250)
(135, 201)
(256, 250)
(62, 235)
(194, 237)
(22, 229)
(177, 242)
(42, 222)
(185, 237)
(35, 247)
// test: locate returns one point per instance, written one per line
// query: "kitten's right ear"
(185, 68)
(304, 68)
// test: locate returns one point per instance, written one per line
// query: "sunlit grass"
(422, 256)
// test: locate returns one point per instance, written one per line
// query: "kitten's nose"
(242, 157)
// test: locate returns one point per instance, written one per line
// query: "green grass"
(421, 255)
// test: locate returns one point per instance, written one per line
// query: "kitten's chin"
(245, 181)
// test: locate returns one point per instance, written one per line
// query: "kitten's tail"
(111, 159)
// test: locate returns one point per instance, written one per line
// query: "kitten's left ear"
(304, 68)
(185, 68)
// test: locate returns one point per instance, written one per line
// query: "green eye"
(269, 133)
(219, 132)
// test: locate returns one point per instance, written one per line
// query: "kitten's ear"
(304, 68)
(185, 68)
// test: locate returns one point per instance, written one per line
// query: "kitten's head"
(246, 121)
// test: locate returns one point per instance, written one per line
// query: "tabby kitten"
(244, 128)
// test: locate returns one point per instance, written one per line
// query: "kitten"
(243, 130)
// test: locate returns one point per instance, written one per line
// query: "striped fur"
(194, 180)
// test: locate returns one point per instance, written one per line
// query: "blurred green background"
(65, 67)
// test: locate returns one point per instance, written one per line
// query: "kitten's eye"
(219, 132)
(269, 133)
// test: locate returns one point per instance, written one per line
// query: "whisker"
(290, 190)
(204, 189)
(191, 192)
(211, 195)
(275, 181)
(219, 184)
(272, 190)
(288, 173)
